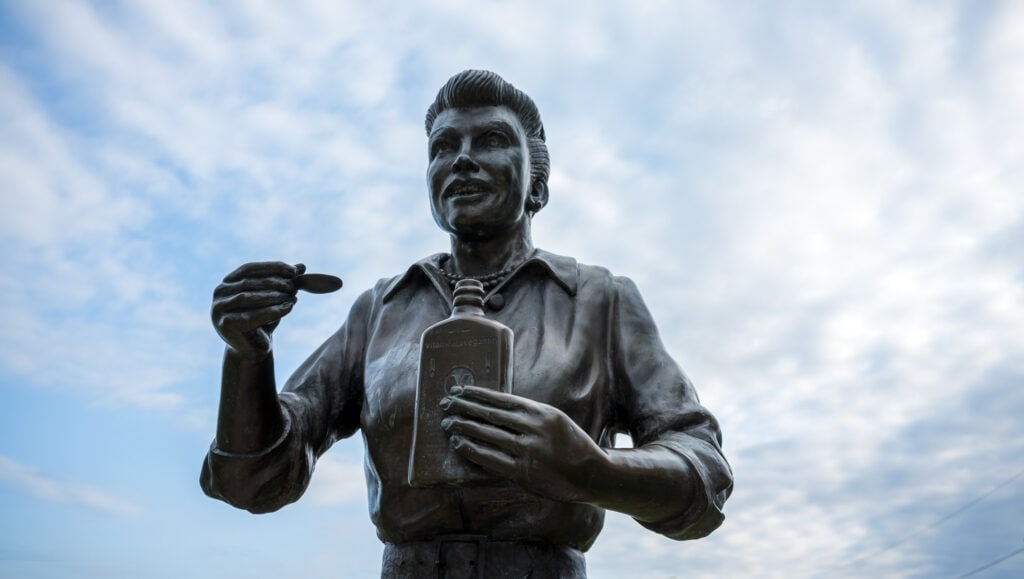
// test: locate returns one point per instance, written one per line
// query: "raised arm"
(247, 307)
(267, 443)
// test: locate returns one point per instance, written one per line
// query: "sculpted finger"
(491, 459)
(279, 284)
(492, 397)
(265, 269)
(251, 300)
(491, 435)
(251, 320)
(514, 421)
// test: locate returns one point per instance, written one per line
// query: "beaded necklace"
(489, 281)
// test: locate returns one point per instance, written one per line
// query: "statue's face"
(479, 171)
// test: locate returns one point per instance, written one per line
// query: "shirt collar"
(561, 269)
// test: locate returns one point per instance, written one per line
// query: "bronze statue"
(588, 364)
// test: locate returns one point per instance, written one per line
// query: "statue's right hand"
(250, 303)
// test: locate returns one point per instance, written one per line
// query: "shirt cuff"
(285, 431)
(704, 514)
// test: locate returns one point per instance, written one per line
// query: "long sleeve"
(321, 403)
(659, 407)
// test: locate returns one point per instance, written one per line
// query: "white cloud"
(52, 489)
(50, 195)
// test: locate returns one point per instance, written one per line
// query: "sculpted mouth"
(465, 189)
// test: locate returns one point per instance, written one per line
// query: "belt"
(477, 557)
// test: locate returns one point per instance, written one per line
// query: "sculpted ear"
(538, 196)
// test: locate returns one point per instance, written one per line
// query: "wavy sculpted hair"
(482, 88)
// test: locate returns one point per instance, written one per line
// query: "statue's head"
(483, 88)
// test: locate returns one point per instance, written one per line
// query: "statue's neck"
(483, 256)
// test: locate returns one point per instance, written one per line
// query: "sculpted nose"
(464, 164)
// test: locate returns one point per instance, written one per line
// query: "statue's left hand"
(534, 444)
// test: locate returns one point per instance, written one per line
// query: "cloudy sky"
(822, 203)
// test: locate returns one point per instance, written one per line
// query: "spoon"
(317, 283)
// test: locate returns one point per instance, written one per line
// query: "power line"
(935, 523)
(992, 563)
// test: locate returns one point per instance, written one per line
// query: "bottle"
(465, 349)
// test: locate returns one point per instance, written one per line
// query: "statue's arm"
(677, 459)
(266, 443)
(247, 307)
(674, 481)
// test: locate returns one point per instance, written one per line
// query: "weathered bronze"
(588, 364)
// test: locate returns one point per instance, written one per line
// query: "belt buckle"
(478, 542)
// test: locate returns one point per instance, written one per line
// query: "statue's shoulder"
(582, 277)
(387, 287)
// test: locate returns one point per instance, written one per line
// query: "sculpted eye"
(441, 146)
(495, 140)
